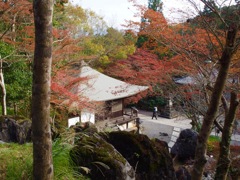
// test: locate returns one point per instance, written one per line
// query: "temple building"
(109, 94)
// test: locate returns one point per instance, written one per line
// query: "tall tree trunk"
(223, 159)
(3, 89)
(41, 131)
(200, 155)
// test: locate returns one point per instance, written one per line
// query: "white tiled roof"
(103, 88)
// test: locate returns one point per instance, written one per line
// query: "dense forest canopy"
(136, 57)
(152, 52)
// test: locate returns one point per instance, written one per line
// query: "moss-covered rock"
(150, 158)
(101, 158)
(114, 155)
(12, 130)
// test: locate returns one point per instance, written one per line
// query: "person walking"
(154, 112)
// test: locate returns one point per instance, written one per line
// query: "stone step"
(174, 136)
(170, 144)
(175, 133)
(177, 129)
(173, 139)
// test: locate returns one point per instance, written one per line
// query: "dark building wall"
(111, 109)
(117, 108)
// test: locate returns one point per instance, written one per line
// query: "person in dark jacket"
(154, 112)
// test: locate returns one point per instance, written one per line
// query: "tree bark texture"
(223, 163)
(41, 129)
(200, 155)
(3, 90)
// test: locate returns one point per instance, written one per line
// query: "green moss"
(19, 119)
(147, 156)
(96, 154)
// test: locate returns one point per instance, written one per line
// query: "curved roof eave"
(104, 88)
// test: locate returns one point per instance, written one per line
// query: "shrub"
(16, 161)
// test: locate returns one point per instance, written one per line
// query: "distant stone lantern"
(169, 112)
(170, 103)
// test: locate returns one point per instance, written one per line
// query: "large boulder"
(149, 158)
(122, 155)
(185, 146)
(15, 131)
(101, 158)
(87, 127)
